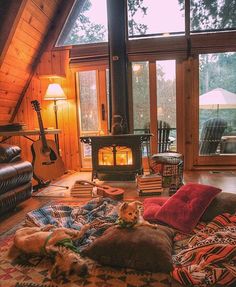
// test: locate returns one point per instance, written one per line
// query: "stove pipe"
(116, 11)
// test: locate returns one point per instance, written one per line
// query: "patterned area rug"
(29, 272)
(34, 272)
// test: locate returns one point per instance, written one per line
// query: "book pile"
(149, 184)
(81, 189)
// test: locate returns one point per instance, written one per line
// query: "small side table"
(170, 166)
(26, 133)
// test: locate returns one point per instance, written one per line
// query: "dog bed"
(141, 248)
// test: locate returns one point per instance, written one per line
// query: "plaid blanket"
(100, 213)
(210, 256)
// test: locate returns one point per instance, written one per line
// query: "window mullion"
(153, 108)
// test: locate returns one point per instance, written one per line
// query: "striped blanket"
(210, 255)
(100, 213)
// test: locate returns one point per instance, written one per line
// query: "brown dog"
(130, 215)
(67, 263)
(44, 241)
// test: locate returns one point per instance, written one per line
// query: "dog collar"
(43, 249)
(68, 244)
(125, 224)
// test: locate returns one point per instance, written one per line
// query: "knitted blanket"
(210, 256)
(100, 213)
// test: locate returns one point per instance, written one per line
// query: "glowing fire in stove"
(115, 155)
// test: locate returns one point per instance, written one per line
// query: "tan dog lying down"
(43, 241)
(130, 215)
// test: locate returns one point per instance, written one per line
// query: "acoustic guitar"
(105, 190)
(47, 163)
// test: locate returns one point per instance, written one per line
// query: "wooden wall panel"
(15, 71)
(33, 21)
(30, 30)
(14, 62)
(47, 7)
(67, 117)
(36, 17)
(12, 84)
(53, 65)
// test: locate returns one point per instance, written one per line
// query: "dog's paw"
(47, 227)
(85, 227)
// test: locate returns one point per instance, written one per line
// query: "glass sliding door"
(154, 103)
(166, 105)
(141, 101)
(141, 97)
(217, 104)
(88, 101)
(93, 116)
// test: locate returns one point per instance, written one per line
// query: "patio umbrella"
(218, 98)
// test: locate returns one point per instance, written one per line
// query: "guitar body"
(105, 190)
(47, 165)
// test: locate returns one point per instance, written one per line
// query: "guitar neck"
(42, 133)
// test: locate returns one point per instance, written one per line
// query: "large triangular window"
(86, 24)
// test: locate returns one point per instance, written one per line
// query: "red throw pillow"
(151, 206)
(160, 200)
(184, 209)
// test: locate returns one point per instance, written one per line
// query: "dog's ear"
(138, 204)
(13, 252)
(123, 206)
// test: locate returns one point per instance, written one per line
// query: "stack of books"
(149, 184)
(81, 190)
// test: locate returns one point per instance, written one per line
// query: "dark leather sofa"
(15, 178)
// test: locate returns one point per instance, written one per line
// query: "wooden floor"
(225, 180)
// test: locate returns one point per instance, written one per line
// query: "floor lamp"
(55, 93)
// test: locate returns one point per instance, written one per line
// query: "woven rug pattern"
(26, 271)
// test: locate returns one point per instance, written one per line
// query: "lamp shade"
(54, 92)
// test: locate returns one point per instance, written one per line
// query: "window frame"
(185, 50)
(200, 161)
(74, 9)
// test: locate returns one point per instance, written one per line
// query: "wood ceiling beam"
(10, 15)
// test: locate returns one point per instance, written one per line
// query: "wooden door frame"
(153, 108)
(101, 99)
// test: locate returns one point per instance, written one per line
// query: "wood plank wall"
(20, 50)
(67, 115)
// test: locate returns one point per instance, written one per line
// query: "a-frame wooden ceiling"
(27, 27)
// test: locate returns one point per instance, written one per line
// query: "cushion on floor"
(224, 202)
(184, 209)
(151, 206)
(141, 248)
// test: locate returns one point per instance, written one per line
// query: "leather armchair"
(15, 178)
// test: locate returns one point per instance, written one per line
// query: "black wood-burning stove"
(116, 157)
